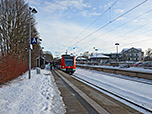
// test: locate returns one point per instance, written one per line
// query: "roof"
(98, 55)
(47, 52)
(40, 57)
(126, 49)
(81, 58)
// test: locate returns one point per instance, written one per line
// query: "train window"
(68, 62)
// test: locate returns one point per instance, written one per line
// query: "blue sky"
(60, 23)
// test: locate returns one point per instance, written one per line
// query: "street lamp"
(96, 52)
(66, 51)
(117, 44)
(73, 51)
(31, 10)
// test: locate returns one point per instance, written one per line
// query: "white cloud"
(58, 33)
(84, 13)
(64, 5)
(93, 9)
(121, 19)
(119, 11)
(95, 13)
(100, 7)
(74, 3)
(52, 7)
(58, 36)
(35, 3)
(107, 5)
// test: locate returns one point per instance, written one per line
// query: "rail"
(111, 93)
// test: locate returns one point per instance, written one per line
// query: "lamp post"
(73, 51)
(117, 44)
(96, 52)
(66, 51)
(42, 56)
(31, 10)
(39, 53)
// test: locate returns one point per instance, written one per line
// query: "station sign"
(33, 40)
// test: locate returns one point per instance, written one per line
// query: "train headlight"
(63, 66)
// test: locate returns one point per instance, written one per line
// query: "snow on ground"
(137, 92)
(139, 69)
(38, 95)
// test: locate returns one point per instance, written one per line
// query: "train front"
(68, 64)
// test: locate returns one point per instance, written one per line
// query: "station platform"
(73, 106)
(89, 100)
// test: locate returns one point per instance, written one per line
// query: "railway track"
(113, 94)
(131, 73)
(121, 108)
(144, 81)
(85, 104)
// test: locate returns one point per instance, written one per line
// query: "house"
(81, 60)
(132, 54)
(40, 62)
(113, 56)
(98, 58)
(48, 56)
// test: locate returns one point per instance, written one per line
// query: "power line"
(136, 41)
(96, 19)
(128, 32)
(130, 43)
(124, 24)
(111, 22)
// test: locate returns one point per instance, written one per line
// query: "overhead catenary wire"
(150, 30)
(109, 22)
(137, 42)
(137, 28)
(132, 43)
(115, 28)
(96, 20)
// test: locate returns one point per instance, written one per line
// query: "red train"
(67, 64)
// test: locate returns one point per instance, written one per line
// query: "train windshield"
(68, 61)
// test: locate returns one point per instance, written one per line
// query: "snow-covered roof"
(47, 52)
(126, 49)
(98, 55)
(81, 58)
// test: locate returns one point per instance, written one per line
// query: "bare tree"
(14, 28)
(148, 56)
(149, 52)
